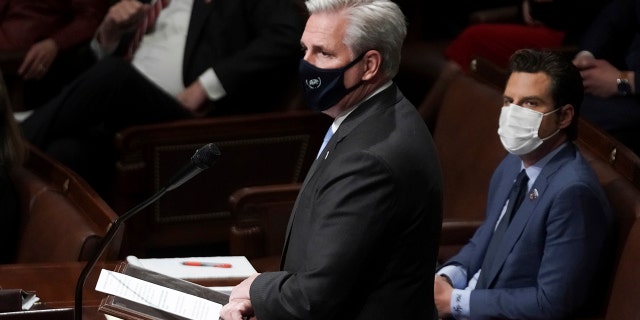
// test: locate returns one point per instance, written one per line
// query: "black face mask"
(323, 88)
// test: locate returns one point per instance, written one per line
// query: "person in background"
(543, 24)
(363, 236)
(52, 37)
(12, 154)
(543, 258)
(443, 20)
(200, 58)
(609, 62)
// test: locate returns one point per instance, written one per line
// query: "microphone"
(202, 159)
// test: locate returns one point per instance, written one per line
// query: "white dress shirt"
(160, 54)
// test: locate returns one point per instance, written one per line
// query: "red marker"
(206, 264)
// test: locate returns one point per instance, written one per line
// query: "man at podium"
(363, 236)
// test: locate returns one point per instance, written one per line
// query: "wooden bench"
(63, 218)
(256, 149)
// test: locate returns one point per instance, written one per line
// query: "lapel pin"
(533, 194)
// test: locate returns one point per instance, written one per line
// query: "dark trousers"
(77, 126)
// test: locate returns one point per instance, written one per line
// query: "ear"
(372, 60)
(567, 113)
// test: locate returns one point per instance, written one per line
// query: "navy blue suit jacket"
(552, 249)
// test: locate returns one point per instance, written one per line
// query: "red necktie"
(145, 26)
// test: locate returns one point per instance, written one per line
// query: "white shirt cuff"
(212, 85)
(460, 304)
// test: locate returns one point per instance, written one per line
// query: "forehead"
(523, 84)
(325, 30)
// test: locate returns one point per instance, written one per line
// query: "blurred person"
(200, 58)
(609, 62)
(443, 20)
(541, 258)
(543, 24)
(54, 37)
(11, 155)
(363, 236)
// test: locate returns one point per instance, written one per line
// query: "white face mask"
(519, 129)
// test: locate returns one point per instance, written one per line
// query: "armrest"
(496, 15)
(260, 215)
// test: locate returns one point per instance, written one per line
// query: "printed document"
(156, 296)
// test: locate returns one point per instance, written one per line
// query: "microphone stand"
(113, 229)
(202, 159)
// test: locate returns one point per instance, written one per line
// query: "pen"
(206, 264)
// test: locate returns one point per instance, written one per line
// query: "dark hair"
(12, 149)
(566, 82)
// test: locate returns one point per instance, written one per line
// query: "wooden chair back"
(63, 218)
(256, 149)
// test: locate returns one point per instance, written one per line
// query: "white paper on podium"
(156, 296)
(173, 267)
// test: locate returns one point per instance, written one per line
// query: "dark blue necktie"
(516, 196)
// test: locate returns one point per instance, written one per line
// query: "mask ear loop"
(561, 113)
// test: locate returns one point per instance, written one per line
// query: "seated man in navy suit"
(539, 260)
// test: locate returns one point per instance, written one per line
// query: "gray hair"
(373, 24)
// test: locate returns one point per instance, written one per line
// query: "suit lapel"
(528, 207)
(384, 99)
(199, 13)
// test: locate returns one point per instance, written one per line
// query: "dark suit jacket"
(363, 236)
(553, 247)
(615, 37)
(554, 14)
(253, 46)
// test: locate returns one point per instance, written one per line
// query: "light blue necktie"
(327, 137)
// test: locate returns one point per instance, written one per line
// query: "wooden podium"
(54, 283)
(40, 313)
(129, 310)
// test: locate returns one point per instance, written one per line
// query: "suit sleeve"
(351, 215)
(273, 46)
(612, 31)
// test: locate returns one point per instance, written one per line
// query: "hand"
(598, 76)
(38, 59)
(237, 310)
(442, 291)
(123, 17)
(239, 306)
(193, 99)
(241, 291)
